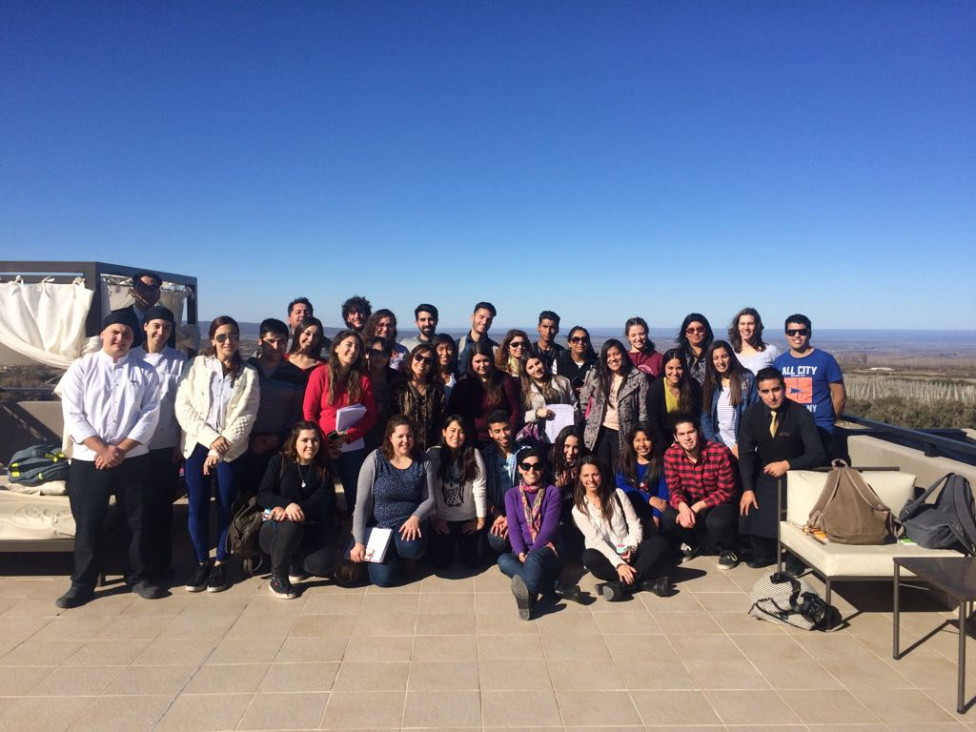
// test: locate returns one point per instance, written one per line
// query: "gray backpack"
(947, 523)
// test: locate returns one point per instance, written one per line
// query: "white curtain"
(44, 321)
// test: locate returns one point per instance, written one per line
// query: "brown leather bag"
(849, 511)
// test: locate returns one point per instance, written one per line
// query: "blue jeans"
(387, 574)
(348, 465)
(540, 569)
(198, 502)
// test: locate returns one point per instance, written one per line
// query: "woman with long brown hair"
(216, 406)
(483, 390)
(674, 392)
(419, 395)
(343, 382)
(298, 496)
(513, 351)
(729, 390)
(307, 344)
(745, 335)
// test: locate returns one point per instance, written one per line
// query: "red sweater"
(317, 408)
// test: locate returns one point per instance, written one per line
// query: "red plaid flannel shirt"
(710, 479)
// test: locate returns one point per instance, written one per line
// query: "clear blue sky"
(600, 159)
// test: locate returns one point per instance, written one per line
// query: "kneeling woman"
(532, 509)
(395, 492)
(460, 488)
(298, 496)
(616, 550)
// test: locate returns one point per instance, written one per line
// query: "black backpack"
(39, 464)
(949, 522)
(242, 536)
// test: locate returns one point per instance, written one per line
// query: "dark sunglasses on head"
(221, 337)
(797, 331)
(530, 466)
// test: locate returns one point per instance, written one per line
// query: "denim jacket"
(709, 418)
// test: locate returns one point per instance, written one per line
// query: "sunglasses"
(423, 359)
(797, 331)
(531, 466)
(221, 337)
(691, 331)
(517, 344)
(578, 339)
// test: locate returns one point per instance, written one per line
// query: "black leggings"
(607, 447)
(650, 562)
(440, 547)
(284, 539)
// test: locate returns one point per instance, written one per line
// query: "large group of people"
(441, 447)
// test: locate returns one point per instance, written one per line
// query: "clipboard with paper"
(347, 417)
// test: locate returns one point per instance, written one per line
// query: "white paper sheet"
(564, 416)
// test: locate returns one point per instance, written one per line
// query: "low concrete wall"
(873, 452)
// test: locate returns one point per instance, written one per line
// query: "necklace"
(303, 477)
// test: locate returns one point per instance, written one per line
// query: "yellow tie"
(772, 424)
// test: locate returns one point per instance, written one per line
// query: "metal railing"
(950, 443)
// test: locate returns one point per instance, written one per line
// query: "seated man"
(110, 401)
(776, 435)
(701, 484)
(499, 459)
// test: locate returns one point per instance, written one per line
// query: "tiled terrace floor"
(451, 653)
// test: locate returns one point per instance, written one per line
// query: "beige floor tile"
(626, 623)
(77, 681)
(364, 709)
(447, 623)
(40, 653)
(445, 648)
(107, 653)
(284, 711)
(121, 714)
(390, 603)
(722, 674)
(384, 624)
(299, 650)
(33, 608)
(751, 707)
(217, 605)
(254, 626)
(25, 714)
(902, 706)
(691, 707)
(742, 624)
(513, 709)
(507, 647)
(266, 606)
(756, 647)
(435, 584)
(722, 603)
(608, 708)
(827, 707)
(682, 624)
(19, 680)
(792, 673)
(681, 601)
(567, 623)
(204, 712)
(175, 652)
(380, 648)
(705, 647)
(246, 650)
(20, 628)
(175, 604)
(447, 602)
(639, 647)
(436, 709)
(574, 647)
(150, 681)
(586, 674)
(925, 672)
(498, 675)
(291, 677)
(495, 603)
(715, 580)
(72, 627)
(866, 673)
(491, 581)
(663, 672)
(372, 676)
(198, 626)
(236, 678)
(323, 626)
(135, 627)
(505, 623)
(317, 604)
(443, 676)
